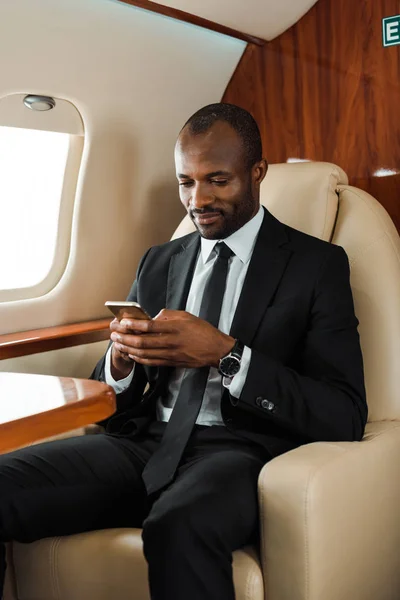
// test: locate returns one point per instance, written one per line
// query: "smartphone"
(127, 310)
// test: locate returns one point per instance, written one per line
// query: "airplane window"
(32, 167)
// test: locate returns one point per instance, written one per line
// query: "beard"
(232, 218)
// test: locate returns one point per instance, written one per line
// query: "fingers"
(166, 321)
(153, 326)
(114, 325)
(129, 326)
(157, 353)
(120, 326)
(159, 361)
(154, 362)
(136, 325)
(141, 341)
(122, 362)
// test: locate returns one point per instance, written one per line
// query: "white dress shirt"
(241, 242)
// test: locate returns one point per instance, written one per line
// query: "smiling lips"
(207, 218)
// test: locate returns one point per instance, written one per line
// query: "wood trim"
(181, 15)
(53, 338)
(36, 428)
(330, 94)
(49, 406)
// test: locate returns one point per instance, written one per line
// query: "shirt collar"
(241, 242)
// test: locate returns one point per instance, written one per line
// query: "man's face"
(216, 186)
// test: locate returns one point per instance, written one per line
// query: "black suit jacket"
(305, 381)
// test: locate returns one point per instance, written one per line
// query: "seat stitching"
(249, 582)
(248, 576)
(54, 566)
(306, 539)
(331, 188)
(364, 249)
(263, 532)
(379, 433)
(326, 204)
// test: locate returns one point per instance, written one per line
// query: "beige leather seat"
(330, 512)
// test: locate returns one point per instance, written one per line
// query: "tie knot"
(223, 251)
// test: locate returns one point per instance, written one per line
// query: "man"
(252, 350)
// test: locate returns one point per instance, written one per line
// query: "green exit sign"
(391, 30)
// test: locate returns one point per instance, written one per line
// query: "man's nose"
(200, 198)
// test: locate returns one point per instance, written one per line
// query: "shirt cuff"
(236, 384)
(122, 384)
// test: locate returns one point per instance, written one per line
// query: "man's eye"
(186, 183)
(219, 181)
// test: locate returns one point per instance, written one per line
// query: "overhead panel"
(261, 18)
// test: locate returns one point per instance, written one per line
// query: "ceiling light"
(296, 160)
(383, 172)
(40, 103)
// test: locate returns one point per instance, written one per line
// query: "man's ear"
(259, 171)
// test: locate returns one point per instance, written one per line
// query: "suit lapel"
(180, 274)
(265, 271)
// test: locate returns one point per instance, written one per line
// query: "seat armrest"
(330, 519)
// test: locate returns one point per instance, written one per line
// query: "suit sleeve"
(134, 392)
(323, 399)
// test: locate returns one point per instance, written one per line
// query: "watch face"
(229, 366)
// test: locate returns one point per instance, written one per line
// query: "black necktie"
(161, 468)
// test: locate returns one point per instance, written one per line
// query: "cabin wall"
(328, 90)
(135, 77)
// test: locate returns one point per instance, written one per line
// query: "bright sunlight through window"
(32, 166)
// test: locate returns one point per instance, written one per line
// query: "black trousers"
(94, 482)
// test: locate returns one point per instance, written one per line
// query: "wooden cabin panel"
(327, 89)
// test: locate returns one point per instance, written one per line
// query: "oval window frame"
(63, 118)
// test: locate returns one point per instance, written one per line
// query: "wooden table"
(34, 407)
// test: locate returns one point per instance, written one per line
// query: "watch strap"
(237, 349)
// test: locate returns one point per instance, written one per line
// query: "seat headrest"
(302, 195)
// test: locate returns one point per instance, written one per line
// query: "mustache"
(204, 211)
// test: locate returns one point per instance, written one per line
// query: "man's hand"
(173, 338)
(121, 364)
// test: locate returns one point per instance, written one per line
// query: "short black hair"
(239, 119)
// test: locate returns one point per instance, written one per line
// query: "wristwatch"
(229, 365)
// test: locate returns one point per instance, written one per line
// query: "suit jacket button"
(259, 400)
(267, 405)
